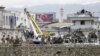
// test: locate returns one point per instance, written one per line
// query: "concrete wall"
(50, 51)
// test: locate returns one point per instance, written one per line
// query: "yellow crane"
(36, 29)
(34, 24)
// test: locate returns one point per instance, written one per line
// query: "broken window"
(82, 22)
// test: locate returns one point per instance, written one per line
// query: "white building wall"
(16, 16)
(83, 18)
(77, 25)
(1, 21)
(0, 15)
(6, 19)
(23, 20)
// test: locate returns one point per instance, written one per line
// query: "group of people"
(10, 40)
(78, 36)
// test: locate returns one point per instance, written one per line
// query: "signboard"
(44, 17)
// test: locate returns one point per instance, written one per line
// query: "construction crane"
(37, 32)
(34, 27)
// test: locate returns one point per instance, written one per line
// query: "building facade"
(82, 20)
(7, 18)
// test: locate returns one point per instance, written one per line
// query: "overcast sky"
(23, 3)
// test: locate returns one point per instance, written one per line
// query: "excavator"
(35, 34)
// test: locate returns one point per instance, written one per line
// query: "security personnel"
(3, 39)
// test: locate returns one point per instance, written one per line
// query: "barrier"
(48, 49)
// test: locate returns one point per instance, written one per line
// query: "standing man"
(3, 39)
(12, 40)
(16, 41)
(8, 39)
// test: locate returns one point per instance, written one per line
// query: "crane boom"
(35, 27)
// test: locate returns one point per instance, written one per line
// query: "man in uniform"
(3, 39)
